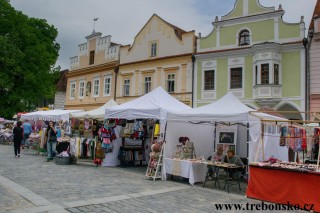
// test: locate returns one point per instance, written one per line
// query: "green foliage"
(28, 52)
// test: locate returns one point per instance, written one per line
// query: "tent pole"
(248, 138)
(215, 135)
(318, 159)
(165, 132)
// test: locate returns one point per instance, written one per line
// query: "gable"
(247, 8)
(170, 41)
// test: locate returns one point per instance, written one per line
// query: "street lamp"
(305, 43)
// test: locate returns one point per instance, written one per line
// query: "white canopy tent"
(154, 105)
(226, 111)
(95, 113)
(49, 115)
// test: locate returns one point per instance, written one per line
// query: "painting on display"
(226, 137)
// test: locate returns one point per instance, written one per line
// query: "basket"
(62, 160)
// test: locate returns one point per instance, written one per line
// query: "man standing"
(27, 129)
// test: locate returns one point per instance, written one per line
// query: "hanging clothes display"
(295, 137)
(107, 135)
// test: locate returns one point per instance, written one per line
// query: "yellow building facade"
(91, 79)
(161, 55)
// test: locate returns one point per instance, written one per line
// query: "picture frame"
(227, 137)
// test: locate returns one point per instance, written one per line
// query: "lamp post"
(305, 43)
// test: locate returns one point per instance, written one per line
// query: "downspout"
(308, 72)
(305, 43)
(192, 93)
(116, 71)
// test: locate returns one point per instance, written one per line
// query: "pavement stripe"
(24, 192)
(43, 205)
(96, 201)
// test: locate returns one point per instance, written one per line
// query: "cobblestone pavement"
(28, 184)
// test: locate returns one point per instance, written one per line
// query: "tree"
(28, 52)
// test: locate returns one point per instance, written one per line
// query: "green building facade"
(254, 54)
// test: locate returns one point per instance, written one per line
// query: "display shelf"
(129, 155)
(154, 170)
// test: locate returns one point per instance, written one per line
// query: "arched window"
(244, 38)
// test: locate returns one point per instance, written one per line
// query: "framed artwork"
(226, 137)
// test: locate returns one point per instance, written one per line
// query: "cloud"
(123, 19)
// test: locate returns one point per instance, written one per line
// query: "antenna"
(94, 22)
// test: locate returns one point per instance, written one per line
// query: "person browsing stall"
(27, 129)
(17, 138)
(51, 140)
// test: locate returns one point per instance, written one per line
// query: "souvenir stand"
(226, 122)
(152, 106)
(61, 119)
(6, 133)
(292, 181)
(88, 128)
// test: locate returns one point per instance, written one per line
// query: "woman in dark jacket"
(17, 138)
(51, 140)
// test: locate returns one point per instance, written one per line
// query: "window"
(153, 49)
(72, 90)
(81, 89)
(91, 57)
(244, 38)
(88, 89)
(107, 86)
(126, 87)
(276, 74)
(236, 78)
(264, 73)
(256, 76)
(147, 84)
(170, 83)
(209, 80)
(96, 87)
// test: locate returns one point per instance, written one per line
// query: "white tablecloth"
(196, 172)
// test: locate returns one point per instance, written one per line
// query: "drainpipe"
(305, 43)
(193, 60)
(116, 71)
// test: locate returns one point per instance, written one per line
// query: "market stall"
(226, 122)
(85, 126)
(290, 184)
(152, 106)
(37, 119)
(49, 115)
(296, 178)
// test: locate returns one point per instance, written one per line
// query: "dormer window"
(244, 38)
(153, 51)
(91, 60)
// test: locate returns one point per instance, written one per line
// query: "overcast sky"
(123, 19)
